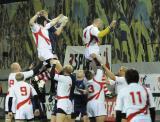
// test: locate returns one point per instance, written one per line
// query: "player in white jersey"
(39, 28)
(64, 104)
(91, 36)
(119, 80)
(15, 67)
(22, 93)
(136, 99)
(96, 96)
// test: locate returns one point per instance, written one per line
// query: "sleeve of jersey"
(11, 92)
(112, 82)
(59, 78)
(120, 79)
(151, 100)
(99, 75)
(28, 74)
(119, 102)
(35, 28)
(48, 26)
(94, 31)
(104, 32)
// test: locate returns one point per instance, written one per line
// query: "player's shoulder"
(89, 82)
(12, 75)
(124, 90)
(119, 78)
(88, 27)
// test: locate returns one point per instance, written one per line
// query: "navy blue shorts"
(80, 103)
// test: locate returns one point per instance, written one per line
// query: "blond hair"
(15, 67)
(68, 69)
(19, 76)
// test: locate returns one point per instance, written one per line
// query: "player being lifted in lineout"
(91, 39)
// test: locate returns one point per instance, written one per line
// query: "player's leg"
(53, 118)
(100, 119)
(8, 118)
(68, 118)
(97, 59)
(73, 116)
(92, 119)
(19, 120)
(30, 120)
(60, 117)
(85, 118)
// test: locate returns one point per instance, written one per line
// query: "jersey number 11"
(133, 97)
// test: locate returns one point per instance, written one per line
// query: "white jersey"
(11, 81)
(63, 92)
(64, 85)
(95, 87)
(90, 35)
(22, 92)
(90, 39)
(96, 96)
(133, 98)
(42, 41)
(119, 83)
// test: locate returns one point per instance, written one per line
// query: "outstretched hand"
(113, 24)
(36, 112)
(42, 13)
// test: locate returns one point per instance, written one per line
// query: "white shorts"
(141, 118)
(45, 54)
(13, 104)
(90, 50)
(25, 112)
(66, 105)
(96, 108)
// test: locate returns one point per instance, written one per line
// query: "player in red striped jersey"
(136, 100)
(92, 36)
(22, 93)
(15, 68)
(96, 95)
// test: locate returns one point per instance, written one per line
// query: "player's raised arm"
(104, 32)
(109, 73)
(55, 20)
(34, 18)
